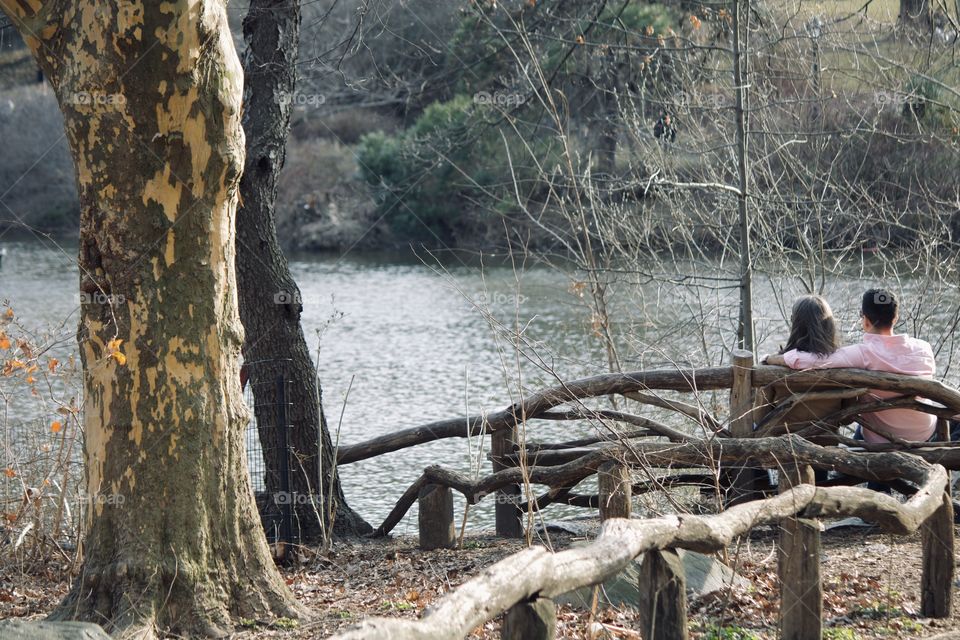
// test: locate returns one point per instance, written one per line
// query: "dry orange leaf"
(9, 312)
(4, 341)
(113, 350)
(10, 473)
(52, 364)
(56, 426)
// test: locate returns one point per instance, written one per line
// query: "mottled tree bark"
(270, 304)
(151, 95)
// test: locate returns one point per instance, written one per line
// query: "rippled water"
(413, 343)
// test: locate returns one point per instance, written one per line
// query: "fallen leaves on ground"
(871, 585)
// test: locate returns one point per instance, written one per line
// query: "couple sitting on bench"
(814, 343)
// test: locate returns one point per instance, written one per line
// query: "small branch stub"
(615, 490)
(530, 620)
(509, 523)
(801, 591)
(437, 530)
(663, 596)
(939, 556)
(741, 422)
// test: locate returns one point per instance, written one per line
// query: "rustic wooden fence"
(757, 433)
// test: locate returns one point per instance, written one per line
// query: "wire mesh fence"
(268, 449)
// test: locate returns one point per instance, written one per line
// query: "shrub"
(412, 184)
(453, 173)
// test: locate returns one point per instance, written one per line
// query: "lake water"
(415, 341)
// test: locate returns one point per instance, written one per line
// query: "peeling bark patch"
(164, 190)
(169, 253)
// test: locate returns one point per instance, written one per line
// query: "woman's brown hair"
(812, 327)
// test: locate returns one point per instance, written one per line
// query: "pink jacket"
(894, 354)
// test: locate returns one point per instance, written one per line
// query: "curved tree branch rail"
(523, 582)
(785, 453)
(638, 385)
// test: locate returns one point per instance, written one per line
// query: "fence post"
(615, 490)
(741, 422)
(509, 522)
(801, 592)
(286, 506)
(936, 585)
(663, 596)
(435, 518)
(530, 620)
(943, 430)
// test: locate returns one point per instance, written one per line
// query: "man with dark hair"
(664, 129)
(881, 308)
(881, 350)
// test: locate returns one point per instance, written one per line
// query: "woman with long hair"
(812, 327)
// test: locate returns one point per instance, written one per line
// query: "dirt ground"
(871, 589)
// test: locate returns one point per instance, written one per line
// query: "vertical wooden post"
(532, 620)
(741, 422)
(437, 529)
(663, 596)
(943, 430)
(801, 592)
(509, 518)
(939, 555)
(615, 490)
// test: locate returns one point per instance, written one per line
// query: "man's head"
(879, 310)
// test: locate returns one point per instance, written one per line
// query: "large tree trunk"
(151, 100)
(269, 298)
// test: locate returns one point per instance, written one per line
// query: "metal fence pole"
(286, 508)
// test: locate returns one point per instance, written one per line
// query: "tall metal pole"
(741, 45)
(286, 505)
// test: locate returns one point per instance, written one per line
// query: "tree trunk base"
(127, 603)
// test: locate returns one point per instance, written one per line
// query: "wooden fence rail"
(723, 451)
(637, 385)
(524, 584)
(783, 453)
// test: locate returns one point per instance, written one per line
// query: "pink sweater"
(894, 354)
